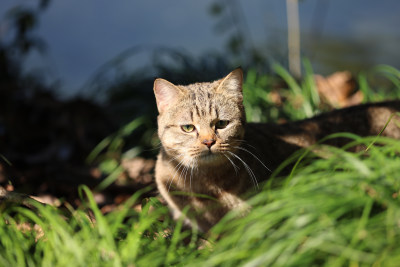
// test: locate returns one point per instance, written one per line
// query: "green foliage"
(337, 211)
(112, 149)
(301, 100)
(115, 142)
(259, 108)
(116, 239)
(386, 82)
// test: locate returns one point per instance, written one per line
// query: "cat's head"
(201, 123)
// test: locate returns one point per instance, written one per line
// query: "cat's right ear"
(166, 94)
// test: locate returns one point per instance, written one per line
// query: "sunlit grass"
(338, 211)
(302, 99)
(82, 238)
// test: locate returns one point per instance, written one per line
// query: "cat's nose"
(209, 142)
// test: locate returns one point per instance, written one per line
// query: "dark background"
(79, 37)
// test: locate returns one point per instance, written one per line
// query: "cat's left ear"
(232, 84)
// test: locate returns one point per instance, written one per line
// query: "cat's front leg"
(176, 200)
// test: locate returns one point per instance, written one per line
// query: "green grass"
(302, 100)
(116, 239)
(339, 211)
(342, 210)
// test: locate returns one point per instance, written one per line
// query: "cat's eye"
(188, 128)
(221, 124)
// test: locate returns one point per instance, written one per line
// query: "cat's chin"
(211, 158)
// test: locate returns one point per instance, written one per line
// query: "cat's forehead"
(203, 106)
(202, 88)
(201, 102)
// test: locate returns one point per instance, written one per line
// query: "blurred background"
(75, 73)
(74, 38)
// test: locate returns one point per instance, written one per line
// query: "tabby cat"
(210, 157)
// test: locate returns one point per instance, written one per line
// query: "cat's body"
(210, 157)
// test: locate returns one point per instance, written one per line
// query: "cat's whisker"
(236, 168)
(169, 149)
(186, 171)
(190, 166)
(248, 169)
(246, 143)
(183, 173)
(156, 147)
(174, 158)
(177, 168)
(224, 145)
(195, 168)
(244, 149)
(193, 164)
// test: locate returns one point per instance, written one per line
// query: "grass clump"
(280, 97)
(86, 237)
(338, 211)
(264, 96)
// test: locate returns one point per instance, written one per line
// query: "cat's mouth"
(210, 156)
